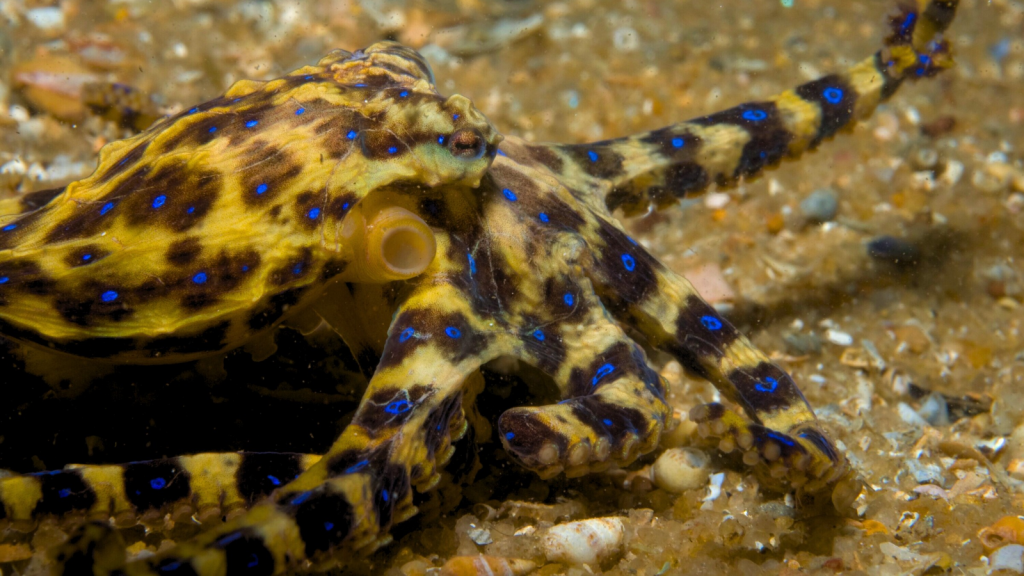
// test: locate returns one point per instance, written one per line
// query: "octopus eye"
(399, 245)
(467, 144)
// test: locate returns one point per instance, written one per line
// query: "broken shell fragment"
(585, 541)
(482, 565)
(681, 469)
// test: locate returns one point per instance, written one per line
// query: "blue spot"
(106, 208)
(9, 227)
(392, 149)
(360, 85)
(771, 385)
(159, 201)
(607, 422)
(302, 497)
(261, 188)
(212, 129)
(509, 435)
(406, 334)
(543, 217)
(300, 111)
(158, 483)
(384, 494)
(108, 296)
(452, 332)
(538, 335)
(228, 538)
(628, 262)
(832, 95)
(352, 134)
(403, 93)
(678, 142)
(592, 155)
(251, 123)
(199, 278)
(313, 213)
(398, 407)
(344, 206)
(309, 77)
(252, 563)
(64, 492)
(711, 323)
(601, 373)
(754, 115)
(245, 268)
(501, 153)
(356, 467)
(568, 299)
(87, 257)
(328, 525)
(781, 438)
(191, 209)
(908, 22)
(631, 241)
(440, 139)
(4, 279)
(510, 195)
(455, 116)
(273, 480)
(170, 567)
(472, 264)
(297, 269)
(194, 110)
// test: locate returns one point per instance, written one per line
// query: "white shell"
(584, 542)
(681, 469)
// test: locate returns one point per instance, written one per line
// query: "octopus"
(354, 193)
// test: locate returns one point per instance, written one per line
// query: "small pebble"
(681, 469)
(584, 542)
(49, 18)
(953, 172)
(893, 250)
(838, 337)
(820, 206)
(802, 344)
(925, 159)
(1009, 557)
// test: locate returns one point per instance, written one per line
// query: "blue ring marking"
(328, 525)
(170, 567)
(452, 332)
(568, 299)
(313, 213)
(628, 262)
(212, 129)
(356, 467)
(601, 373)
(398, 407)
(510, 195)
(539, 335)
(472, 264)
(261, 188)
(273, 480)
(106, 208)
(678, 142)
(455, 116)
(543, 217)
(108, 296)
(392, 149)
(352, 134)
(385, 495)
(255, 560)
(251, 123)
(509, 435)
(9, 227)
(4, 279)
(607, 422)
(592, 155)
(297, 269)
(770, 387)
(302, 497)
(406, 334)
(832, 95)
(64, 492)
(191, 209)
(199, 278)
(194, 110)
(300, 111)
(781, 438)
(754, 115)
(86, 257)
(158, 483)
(711, 323)
(159, 201)
(403, 93)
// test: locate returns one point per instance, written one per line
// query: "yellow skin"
(199, 240)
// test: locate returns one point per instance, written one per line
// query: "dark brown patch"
(450, 332)
(437, 422)
(175, 196)
(835, 99)
(89, 218)
(23, 276)
(274, 308)
(310, 210)
(608, 366)
(340, 205)
(701, 331)
(297, 267)
(195, 131)
(325, 519)
(39, 198)
(209, 340)
(390, 408)
(338, 131)
(208, 281)
(764, 388)
(545, 156)
(131, 158)
(769, 138)
(524, 435)
(543, 341)
(596, 159)
(267, 171)
(184, 252)
(616, 423)
(85, 255)
(381, 144)
(627, 270)
(63, 492)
